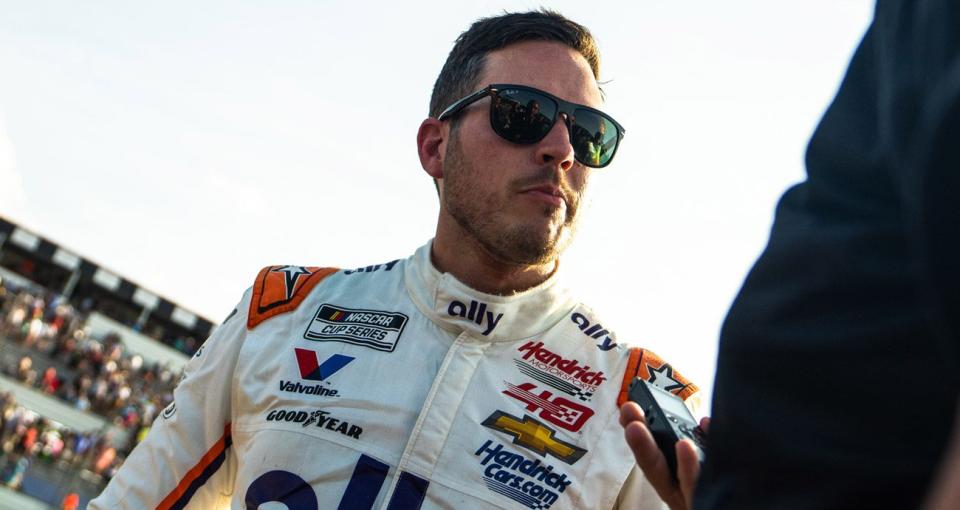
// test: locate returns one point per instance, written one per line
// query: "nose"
(555, 148)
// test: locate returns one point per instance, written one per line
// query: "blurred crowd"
(57, 357)
(26, 437)
(43, 344)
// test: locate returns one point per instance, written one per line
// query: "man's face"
(520, 202)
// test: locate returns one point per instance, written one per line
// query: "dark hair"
(465, 62)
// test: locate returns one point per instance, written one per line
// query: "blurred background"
(154, 156)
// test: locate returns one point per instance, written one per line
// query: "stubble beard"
(477, 213)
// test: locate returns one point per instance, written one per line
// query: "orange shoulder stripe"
(280, 289)
(199, 474)
(653, 369)
(633, 364)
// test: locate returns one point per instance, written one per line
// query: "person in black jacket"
(839, 366)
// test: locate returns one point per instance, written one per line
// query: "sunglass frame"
(565, 107)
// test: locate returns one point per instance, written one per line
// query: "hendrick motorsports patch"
(370, 328)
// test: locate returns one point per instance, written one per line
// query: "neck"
(471, 263)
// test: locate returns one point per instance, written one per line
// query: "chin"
(531, 246)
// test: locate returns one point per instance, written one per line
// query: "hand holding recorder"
(666, 441)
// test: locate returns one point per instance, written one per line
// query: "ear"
(431, 138)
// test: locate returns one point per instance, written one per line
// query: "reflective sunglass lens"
(522, 116)
(594, 138)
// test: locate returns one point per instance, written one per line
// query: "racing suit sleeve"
(186, 458)
(637, 492)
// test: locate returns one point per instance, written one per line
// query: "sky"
(185, 145)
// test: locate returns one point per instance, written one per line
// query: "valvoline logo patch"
(311, 368)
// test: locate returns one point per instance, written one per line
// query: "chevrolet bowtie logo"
(534, 435)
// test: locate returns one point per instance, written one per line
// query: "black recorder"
(668, 419)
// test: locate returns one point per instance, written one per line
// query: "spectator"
(50, 382)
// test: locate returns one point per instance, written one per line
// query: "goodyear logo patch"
(317, 418)
(370, 328)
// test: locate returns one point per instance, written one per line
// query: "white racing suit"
(396, 386)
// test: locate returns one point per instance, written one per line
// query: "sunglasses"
(524, 115)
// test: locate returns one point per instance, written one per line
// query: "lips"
(545, 193)
(547, 190)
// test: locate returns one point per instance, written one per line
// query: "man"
(839, 369)
(462, 377)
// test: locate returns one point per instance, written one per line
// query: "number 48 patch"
(559, 411)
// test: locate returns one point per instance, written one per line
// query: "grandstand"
(31, 259)
(88, 359)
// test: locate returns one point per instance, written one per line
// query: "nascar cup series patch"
(370, 328)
